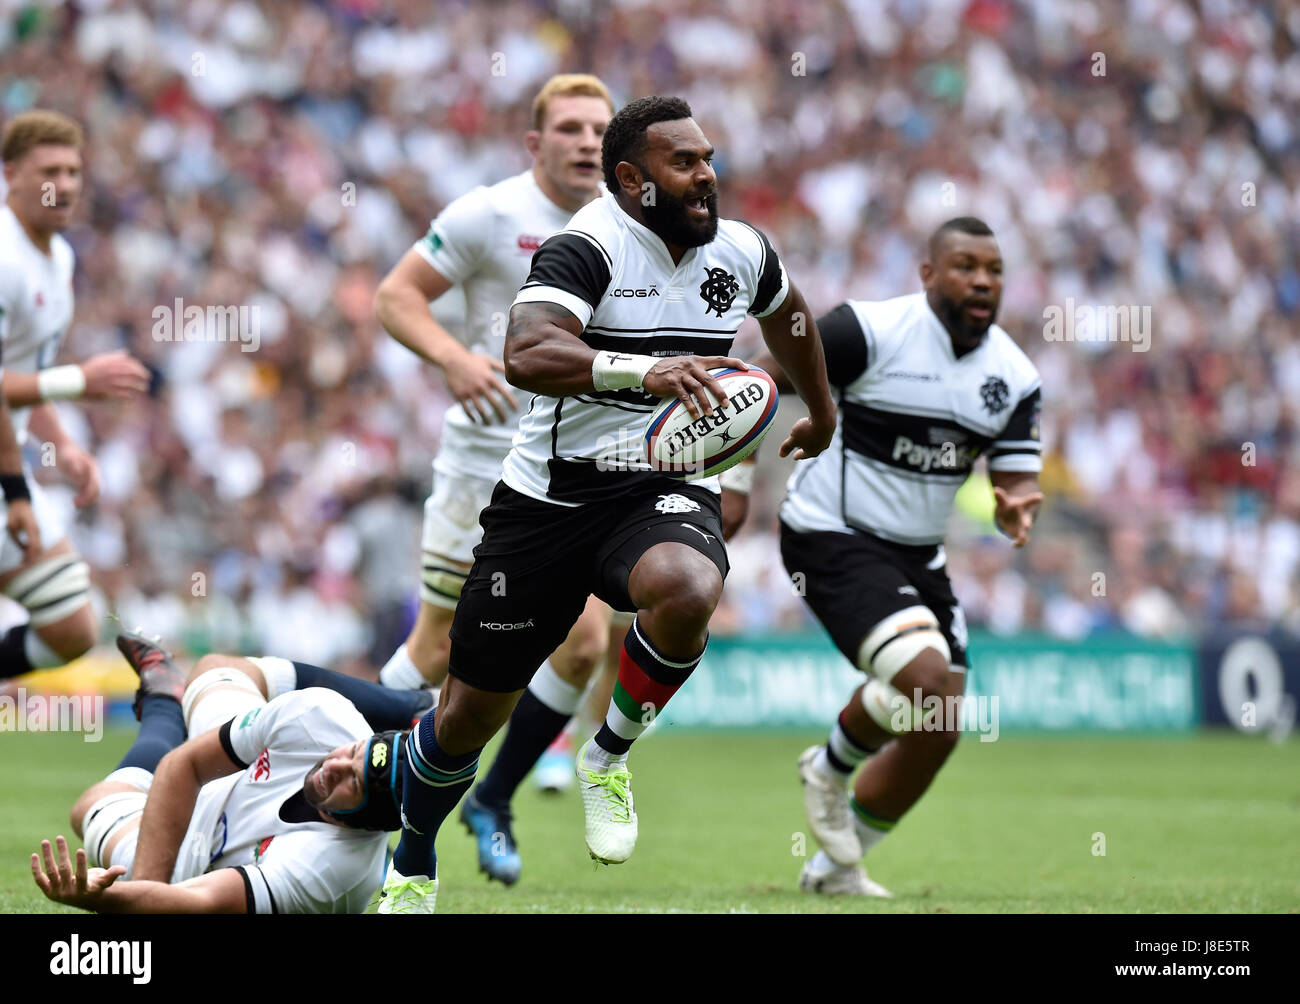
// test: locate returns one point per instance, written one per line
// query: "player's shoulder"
(597, 225)
(743, 235)
(328, 717)
(1011, 358)
(475, 207)
(897, 315)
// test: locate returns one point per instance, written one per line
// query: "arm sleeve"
(458, 240)
(1018, 448)
(314, 873)
(571, 269)
(844, 343)
(772, 285)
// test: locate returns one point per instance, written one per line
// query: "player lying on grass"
(578, 511)
(927, 384)
(279, 802)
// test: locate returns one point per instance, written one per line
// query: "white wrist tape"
(60, 383)
(617, 370)
(740, 478)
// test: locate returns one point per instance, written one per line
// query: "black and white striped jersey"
(617, 278)
(913, 419)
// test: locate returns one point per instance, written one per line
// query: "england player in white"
(483, 243)
(42, 167)
(634, 301)
(278, 805)
(928, 383)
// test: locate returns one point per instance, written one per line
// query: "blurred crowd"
(283, 155)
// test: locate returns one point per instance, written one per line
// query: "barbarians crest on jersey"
(676, 503)
(996, 394)
(719, 290)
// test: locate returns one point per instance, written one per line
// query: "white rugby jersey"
(616, 276)
(913, 418)
(259, 821)
(35, 303)
(484, 242)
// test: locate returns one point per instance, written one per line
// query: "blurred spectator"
(282, 155)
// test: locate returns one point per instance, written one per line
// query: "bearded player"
(483, 242)
(927, 384)
(578, 510)
(42, 166)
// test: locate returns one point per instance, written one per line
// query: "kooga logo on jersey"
(636, 292)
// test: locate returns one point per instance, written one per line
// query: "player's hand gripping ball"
(689, 448)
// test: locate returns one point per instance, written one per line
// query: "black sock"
(162, 729)
(433, 782)
(383, 708)
(13, 652)
(533, 727)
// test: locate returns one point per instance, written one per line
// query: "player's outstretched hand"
(80, 887)
(807, 439)
(1014, 514)
(473, 382)
(687, 377)
(114, 374)
(23, 528)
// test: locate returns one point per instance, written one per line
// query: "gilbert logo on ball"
(689, 448)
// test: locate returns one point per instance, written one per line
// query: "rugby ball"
(689, 448)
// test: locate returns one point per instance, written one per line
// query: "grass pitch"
(1205, 823)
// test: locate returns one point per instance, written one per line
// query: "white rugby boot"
(840, 881)
(829, 817)
(407, 894)
(611, 817)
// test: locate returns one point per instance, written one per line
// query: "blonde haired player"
(484, 242)
(42, 167)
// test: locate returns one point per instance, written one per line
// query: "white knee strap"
(899, 639)
(225, 693)
(52, 589)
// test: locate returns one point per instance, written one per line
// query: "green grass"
(1199, 824)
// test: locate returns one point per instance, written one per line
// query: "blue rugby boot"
(498, 855)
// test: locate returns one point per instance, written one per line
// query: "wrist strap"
(15, 487)
(617, 370)
(61, 383)
(739, 479)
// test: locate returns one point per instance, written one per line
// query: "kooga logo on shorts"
(499, 626)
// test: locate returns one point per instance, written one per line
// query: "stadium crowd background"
(284, 155)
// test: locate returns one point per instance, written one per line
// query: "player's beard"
(955, 319)
(668, 218)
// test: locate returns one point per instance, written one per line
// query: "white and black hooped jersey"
(483, 242)
(36, 303)
(913, 419)
(616, 276)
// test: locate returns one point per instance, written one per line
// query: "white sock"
(868, 835)
(400, 673)
(823, 766)
(39, 654)
(598, 758)
(554, 691)
(821, 864)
